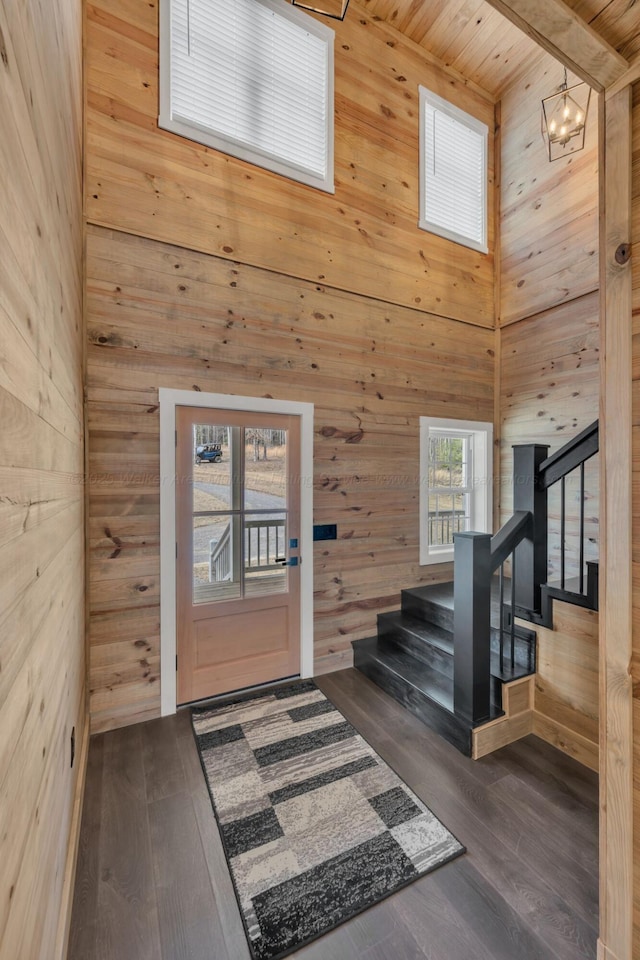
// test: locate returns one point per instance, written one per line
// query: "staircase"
(453, 654)
(412, 659)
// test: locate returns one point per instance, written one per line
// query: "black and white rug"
(316, 827)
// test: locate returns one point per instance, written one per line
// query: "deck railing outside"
(264, 549)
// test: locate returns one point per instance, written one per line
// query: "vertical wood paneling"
(549, 211)
(635, 661)
(42, 656)
(363, 239)
(162, 316)
(616, 696)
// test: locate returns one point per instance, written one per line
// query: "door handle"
(293, 562)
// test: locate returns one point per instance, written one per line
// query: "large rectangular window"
(252, 78)
(456, 492)
(453, 172)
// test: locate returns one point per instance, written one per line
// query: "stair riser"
(427, 611)
(421, 649)
(496, 692)
(430, 713)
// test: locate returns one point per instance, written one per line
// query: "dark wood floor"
(152, 882)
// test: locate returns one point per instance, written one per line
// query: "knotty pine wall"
(42, 655)
(363, 239)
(548, 211)
(548, 371)
(208, 273)
(160, 315)
(549, 387)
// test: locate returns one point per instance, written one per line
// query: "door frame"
(169, 400)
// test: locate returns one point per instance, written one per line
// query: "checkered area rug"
(315, 826)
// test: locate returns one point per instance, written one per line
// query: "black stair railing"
(556, 469)
(520, 549)
(477, 556)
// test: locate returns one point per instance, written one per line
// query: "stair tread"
(571, 585)
(507, 675)
(439, 593)
(421, 629)
(428, 681)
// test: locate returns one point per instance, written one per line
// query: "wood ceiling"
(473, 38)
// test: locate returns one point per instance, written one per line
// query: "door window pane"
(265, 469)
(216, 567)
(265, 541)
(212, 449)
(239, 512)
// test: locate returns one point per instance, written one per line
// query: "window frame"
(480, 435)
(199, 133)
(478, 126)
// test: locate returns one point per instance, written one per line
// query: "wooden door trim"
(169, 400)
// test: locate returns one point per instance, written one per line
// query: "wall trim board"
(509, 321)
(66, 906)
(570, 742)
(169, 400)
(604, 953)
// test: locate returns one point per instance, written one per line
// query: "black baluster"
(502, 618)
(513, 612)
(582, 528)
(562, 531)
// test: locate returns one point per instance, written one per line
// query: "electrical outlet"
(73, 744)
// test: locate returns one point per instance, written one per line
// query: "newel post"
(472, 626)
(531, 554)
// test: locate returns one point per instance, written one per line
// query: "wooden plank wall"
(548, 378)
(269, 287)
(636, 507)
(549, 211)
(163, 316)
(364, 239)
(42, 655)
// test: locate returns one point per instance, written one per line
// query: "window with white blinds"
(453, 172)
(253, 78)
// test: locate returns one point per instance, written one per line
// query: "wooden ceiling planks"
(467, 35)
(472, 37)
(617, 22)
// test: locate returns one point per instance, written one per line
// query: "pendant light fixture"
(336, 9)
(564, 119)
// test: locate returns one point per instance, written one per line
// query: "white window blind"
(253, 78)
(453, 172)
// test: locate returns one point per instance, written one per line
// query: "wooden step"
(525, 655)
(420, 688)
(432, 603)
(425, 641)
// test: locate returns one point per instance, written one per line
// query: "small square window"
(453, 172)
(252, 78)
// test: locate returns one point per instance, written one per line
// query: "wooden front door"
(238, 530)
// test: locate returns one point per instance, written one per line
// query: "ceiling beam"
(567, 37)
(628, 78)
